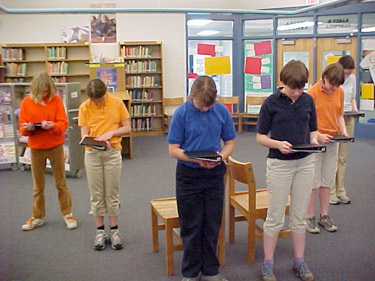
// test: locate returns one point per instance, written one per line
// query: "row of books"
(5, 116)
(142, 81)
(57, 68)
(136, 52)
(144, 124)
(6, 131)
(141, 95)
(55, 53)
(141, 66)
(16, 69)
(12, 54)
(143, 110)
(61, 79)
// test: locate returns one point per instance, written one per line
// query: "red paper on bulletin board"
(206, 49)
(217, 65)
(192, 75)
(262, 48)
(253, 65)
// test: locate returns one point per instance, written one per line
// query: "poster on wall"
(109, 77)
(258, 69)
(75, 34)
(103, 26)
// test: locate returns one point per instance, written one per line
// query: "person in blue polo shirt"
(290, 118)
(200, 124)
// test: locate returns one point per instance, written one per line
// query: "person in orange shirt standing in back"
(329, 103)
(43, 120)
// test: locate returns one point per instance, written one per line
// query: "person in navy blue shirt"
(200, 124)
(288, 118)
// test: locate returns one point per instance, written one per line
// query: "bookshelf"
(113, 75)
(12, 96)
(65, 62)
(144, 83)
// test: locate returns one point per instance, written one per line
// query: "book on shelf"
(206, 155)
(310, 148)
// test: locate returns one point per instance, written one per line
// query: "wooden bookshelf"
(144, 83)
(65, 62)
(113, 75)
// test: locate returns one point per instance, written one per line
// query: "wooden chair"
(170, 105)
(235, 103)
(251, 204)
(251, 118)
(165, 211)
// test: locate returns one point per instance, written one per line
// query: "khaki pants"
(103, 170)
(338, 188)
(38, 166)
(285, 178)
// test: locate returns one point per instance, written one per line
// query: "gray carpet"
(51, 252)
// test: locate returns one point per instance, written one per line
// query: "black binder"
(310, 148)
(206, 155)
(354, 114)
(342, 139)
(91, 142)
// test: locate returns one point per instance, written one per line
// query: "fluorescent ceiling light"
(208, 32)
(198, 22)
(295, 25)
(368, 29)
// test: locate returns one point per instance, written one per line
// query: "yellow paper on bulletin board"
(217, 65)
(367, 91)
(332, 59)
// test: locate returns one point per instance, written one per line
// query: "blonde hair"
(204, 91)
(40, 81)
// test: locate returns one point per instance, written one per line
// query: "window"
(291, 26)
(258, 28)
(368, 23)
(197, 27)
(337, 24)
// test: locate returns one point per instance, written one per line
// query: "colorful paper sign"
(265, 80)
(217, 65)
(262, 48)
(253, 65)
(206, 49)
(332, 59)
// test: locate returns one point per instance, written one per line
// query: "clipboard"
(310, 148)
(342, 139)
(354, 114)
(91, 142)
(206, 155)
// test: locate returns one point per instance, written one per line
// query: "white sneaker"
(32, 223)
(71, 222)
(115, 238)
(333, 200)
(344, 199)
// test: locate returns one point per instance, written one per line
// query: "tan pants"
(338, 188)
(38, 166)
(103, 170)
(285, 178)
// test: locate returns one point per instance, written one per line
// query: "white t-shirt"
(349, 87)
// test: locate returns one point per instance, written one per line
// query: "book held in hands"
(206, 155)
(91, 142)
(310, 148)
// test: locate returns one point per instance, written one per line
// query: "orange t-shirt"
(53, 110)
(328, 108)
(104, 118)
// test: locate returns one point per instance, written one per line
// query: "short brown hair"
(40, 81)
(96, 88)
(347, 62)
(294, 74)
(334, 73)
(204, 90)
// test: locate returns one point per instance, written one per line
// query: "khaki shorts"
(326, 166)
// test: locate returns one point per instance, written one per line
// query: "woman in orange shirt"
(43, 120)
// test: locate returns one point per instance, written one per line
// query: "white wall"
(168, 28)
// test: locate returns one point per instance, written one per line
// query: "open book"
(354, 114)
(311, 148)
(342, 139)
(206, 155)
(91, 142)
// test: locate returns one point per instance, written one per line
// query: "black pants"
(200, 195)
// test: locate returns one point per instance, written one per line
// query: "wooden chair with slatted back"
(165, 211)
(170, 105)
(251, 204)
(235, 103)
(250, 118)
